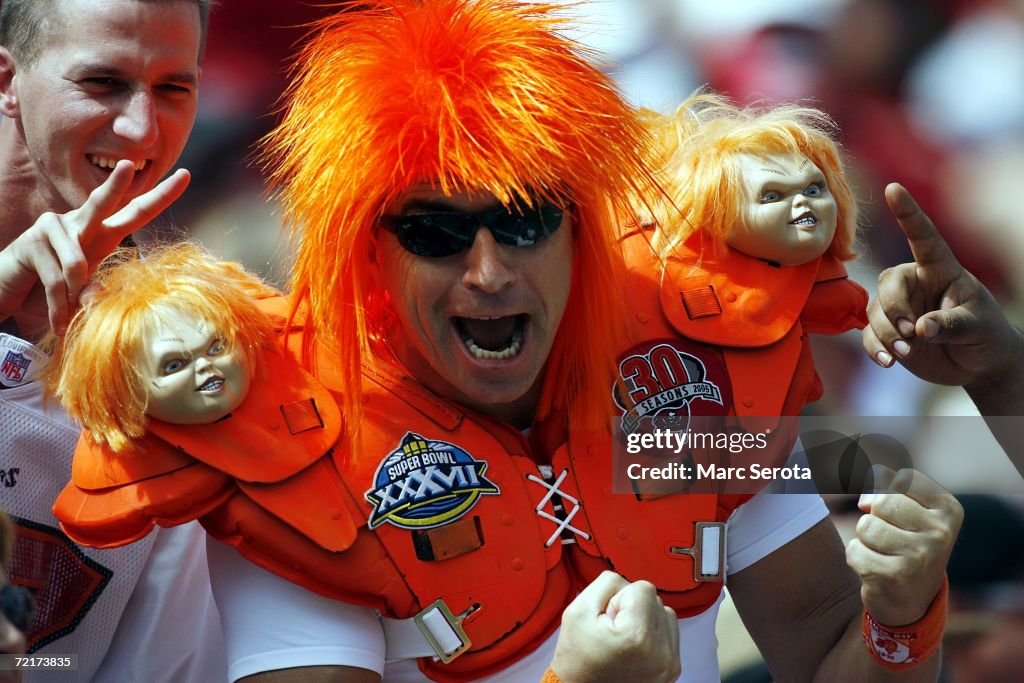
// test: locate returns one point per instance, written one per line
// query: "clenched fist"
(617, 631)
(902, 545)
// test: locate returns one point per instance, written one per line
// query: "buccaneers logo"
(665, 381)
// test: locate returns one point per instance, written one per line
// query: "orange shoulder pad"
(96, 467)
(115, 499)
(288, 421)
(836, 303)
(313, 502)
(732, 299)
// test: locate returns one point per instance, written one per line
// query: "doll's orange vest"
(755, 314)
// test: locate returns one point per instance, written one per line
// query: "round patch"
(664, 382)
(425, 483)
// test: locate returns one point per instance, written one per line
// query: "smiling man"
(98, 99)
(93, 103)
(84, 86)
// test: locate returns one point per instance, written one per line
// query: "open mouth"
(211, 385)
(108, 163)
(493, 337)
(807, 218)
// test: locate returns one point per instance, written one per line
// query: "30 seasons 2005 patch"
(667, 381)
(425, 483)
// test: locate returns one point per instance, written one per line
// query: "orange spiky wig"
(477, 95)
(95, 371)
(697, 151)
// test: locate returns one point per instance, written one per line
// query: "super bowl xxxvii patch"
(425, 483)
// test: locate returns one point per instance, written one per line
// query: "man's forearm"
(1000, 399)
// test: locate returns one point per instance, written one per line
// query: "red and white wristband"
(905, 647)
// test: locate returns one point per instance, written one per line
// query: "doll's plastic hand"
(617, 631)
(45, 268)
(933, 315)
(902, 545)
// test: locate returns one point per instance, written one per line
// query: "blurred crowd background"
(929, 93)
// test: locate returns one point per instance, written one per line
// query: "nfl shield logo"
(14, 366)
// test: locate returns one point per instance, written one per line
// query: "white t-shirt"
(270, 623)
(139, 613)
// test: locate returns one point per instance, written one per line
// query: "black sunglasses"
(445, 233)
(18, 605)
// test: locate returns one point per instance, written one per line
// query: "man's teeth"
(806, 220)
(484, 354)
(107, 162)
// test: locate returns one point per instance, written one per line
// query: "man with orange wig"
(449, 168)
(452, 170)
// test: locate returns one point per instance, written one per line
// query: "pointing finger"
(925, 241)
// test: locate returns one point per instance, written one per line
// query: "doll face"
(789, 216)
(191, 375)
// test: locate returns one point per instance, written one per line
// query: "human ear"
(8, 95)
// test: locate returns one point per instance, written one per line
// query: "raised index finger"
(99, 239)
(925, 241)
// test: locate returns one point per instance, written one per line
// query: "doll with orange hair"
(750, 236)
(174, 335)
(172, 367)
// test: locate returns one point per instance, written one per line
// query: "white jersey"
(139, 613)
(270, 623)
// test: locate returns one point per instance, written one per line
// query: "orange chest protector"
(425, 504)
(452, 501)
